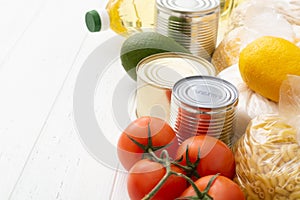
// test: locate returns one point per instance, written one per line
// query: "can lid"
(191, 6)
(165, 69)
(205, 92)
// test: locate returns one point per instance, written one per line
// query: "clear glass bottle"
(123, 16)
(226, 8)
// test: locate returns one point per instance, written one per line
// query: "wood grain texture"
(43, 45)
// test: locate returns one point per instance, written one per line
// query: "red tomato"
(161, 135)
(144, 176)
(169, 95)
(222, 189)
(215, 156)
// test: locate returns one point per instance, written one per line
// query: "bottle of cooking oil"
(226, 8)
(124, 17)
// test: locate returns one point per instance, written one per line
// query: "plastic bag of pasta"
(268, 155)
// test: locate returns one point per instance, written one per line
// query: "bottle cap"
(93, 21)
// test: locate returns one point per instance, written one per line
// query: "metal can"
(193, 23)
(203, 105)
(156, 76)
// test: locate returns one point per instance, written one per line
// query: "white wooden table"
(43, 45)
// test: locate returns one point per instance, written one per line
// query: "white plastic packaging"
(267, 156)
(250, 103)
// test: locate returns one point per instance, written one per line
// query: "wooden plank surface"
(43, 46)
(60, 162)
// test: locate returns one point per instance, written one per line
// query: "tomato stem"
(209, 184)
(190, 168)
(157, 187)
(149, 146)
(185, 168)
(200, 195)
(155, 157)
(165, 160)
(149, 136)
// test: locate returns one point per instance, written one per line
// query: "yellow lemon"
(265, 63)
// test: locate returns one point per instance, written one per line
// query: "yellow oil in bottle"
(128, 16)
(226, 7)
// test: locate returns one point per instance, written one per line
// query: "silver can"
(157, 74)
(193, 23)
(203, 105)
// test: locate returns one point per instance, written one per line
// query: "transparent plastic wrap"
(256, 9)
(250, 103)
(268, 155)
(254, 19)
